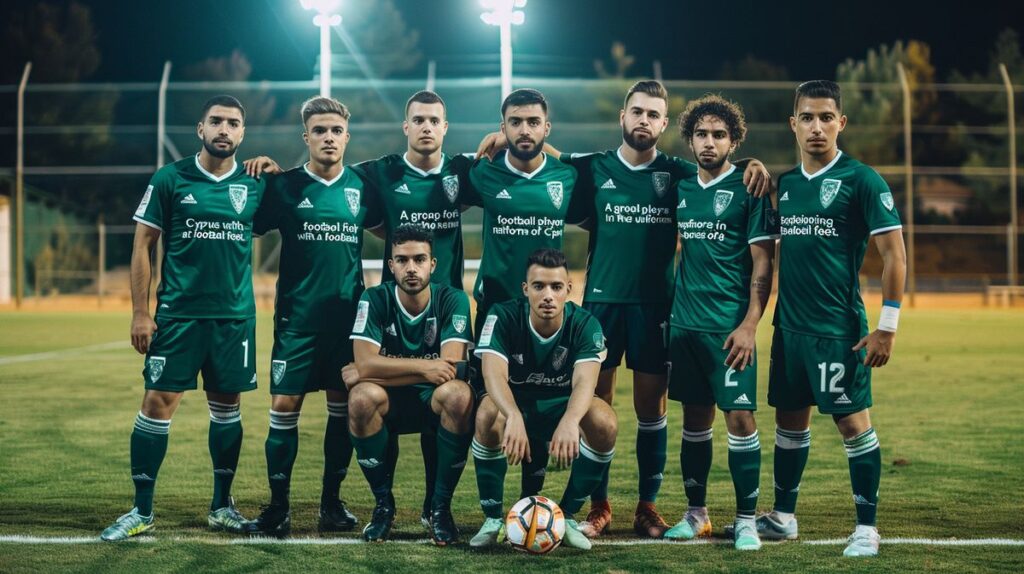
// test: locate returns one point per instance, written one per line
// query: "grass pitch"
(948, 412)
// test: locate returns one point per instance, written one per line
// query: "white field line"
(63, 353)
(22, 539)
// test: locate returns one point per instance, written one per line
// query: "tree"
(621, 63)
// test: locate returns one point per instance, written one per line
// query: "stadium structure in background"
(64, 247)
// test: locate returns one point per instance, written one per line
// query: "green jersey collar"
(718, 179)
(530, 175)
(316, 177)
(631, 167)
(433, 171)
(542, 340)
(216, 179)
(413, 320)
(809, 176)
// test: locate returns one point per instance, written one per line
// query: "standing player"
(410, 339)
(202, 208)
(822, 353)
(321, 212)
(629, 207)
(724, 279)
(541, 356)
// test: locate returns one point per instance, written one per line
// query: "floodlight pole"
(161, 114)
(19, 194)
(503, 14)
(321, 20)
(1012, 237)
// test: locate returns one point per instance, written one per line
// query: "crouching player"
(409, 339)
(541, 357)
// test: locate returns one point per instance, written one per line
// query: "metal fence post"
(101, 229)
(1011, 120)
(19, 195)
(161, 115)
(908, 169)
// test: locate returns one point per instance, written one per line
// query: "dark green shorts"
(807, 370)
(699, 376)
(409, 409)
(308, 362)
(635, 330)
(541, 413)
(223, 350)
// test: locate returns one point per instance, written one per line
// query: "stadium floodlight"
(504, 14)
(326, 17)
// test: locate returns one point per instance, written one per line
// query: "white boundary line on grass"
(23, 539)
(63, 353)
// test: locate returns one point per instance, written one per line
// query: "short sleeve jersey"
(826, 220)
(431, 199)
(523, 212)
(632, 217)
(206, 224)
(717, 222)
(382, 320)
(535, 363)
(321, 224)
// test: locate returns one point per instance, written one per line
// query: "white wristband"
(889, 319)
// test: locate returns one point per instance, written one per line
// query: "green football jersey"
(321, 224)
(717, 222)
(431, 199)
(382, 320)
(632, 218)
(523, 212)
(536, 363)
(826, 219)
(206, 224)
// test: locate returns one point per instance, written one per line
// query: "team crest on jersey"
(722, 200)
(887, 200)
(459, 322)
(558, 357)
(829, 191)
(352, 197)
(277, 369)
(238, 194)
(450, 184)
(156, 368)
(555, 193)
(430, 332)
(660, 180)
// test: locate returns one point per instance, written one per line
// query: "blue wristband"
(888, 303)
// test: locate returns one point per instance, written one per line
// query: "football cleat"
(863, 542)
(442, 527)
(379, 527)
(574, 538)
(274, 520)
(335, 517)
(227, 518)
(745, 535)
(693, 525)
(490, 533)
(769, 527)
(128, 525)
(599, 519)
(647, 522)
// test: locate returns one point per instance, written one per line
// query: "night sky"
(692, 39)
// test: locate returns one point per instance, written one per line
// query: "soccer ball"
(535, 524)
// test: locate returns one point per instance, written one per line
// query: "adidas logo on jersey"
(785, 196)
(189, 200)
(843, 400)
(596, 290)
(682, 204)
(503, 194)
(306, 203)
(742, 400)
(608, 184)
(391, 330)
(402, 189)
(518, 358)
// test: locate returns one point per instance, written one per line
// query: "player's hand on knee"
(142, 331)
(439, 371)
(491, 144)
(757, 179)
(515, 444)
(565, 444)
(350, 375)
(740, 344)
(257, 166)
(879, 347)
